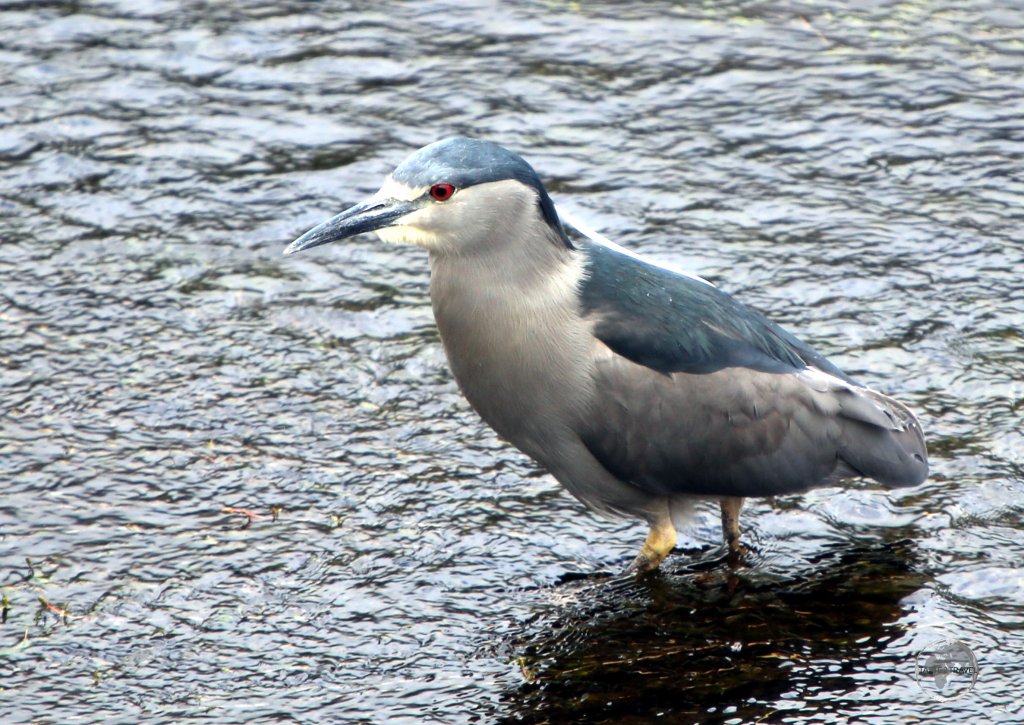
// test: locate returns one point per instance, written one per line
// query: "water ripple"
(853, 170)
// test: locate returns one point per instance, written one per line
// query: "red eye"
(442, 192)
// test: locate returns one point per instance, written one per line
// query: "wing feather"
(698, 394)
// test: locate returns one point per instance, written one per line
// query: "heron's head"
(456, 196)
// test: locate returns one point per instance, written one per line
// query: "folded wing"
(702, 395)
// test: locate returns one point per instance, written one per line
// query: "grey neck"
(511, 327)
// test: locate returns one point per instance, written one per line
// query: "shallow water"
(854, 173)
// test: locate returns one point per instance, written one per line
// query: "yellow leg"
(660, 541)
(731, 506)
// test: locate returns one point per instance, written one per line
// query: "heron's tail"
(881, 439)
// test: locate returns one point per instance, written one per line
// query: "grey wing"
(743, 432)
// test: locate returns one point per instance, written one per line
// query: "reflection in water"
(687, 642)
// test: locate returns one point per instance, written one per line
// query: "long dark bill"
(364, 217)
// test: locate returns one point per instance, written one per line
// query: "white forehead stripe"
(397, 190)
(598, 238)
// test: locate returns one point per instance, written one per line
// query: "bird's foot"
(736, 558)
(659, 544)
(731, 506)
(643, 563)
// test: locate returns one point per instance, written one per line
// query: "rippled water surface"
(856, 173)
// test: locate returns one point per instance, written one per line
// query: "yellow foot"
(660, 542)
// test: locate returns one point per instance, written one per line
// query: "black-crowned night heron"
(641, 389)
